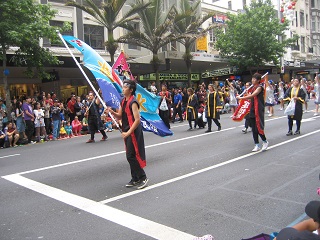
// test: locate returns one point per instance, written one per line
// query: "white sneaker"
(316, 114)
(265, 146)
(280, 109)
(249, 129)
(256, 148)
(269, 115)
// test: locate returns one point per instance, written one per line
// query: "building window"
(229, 5)
(48, 43)
(312, 4)
(93, 36)
(212, 37)
(296, 18)
(313, 23)
(303, 44)
(307, 21)
(301, 19)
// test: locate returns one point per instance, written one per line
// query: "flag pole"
(86, 77)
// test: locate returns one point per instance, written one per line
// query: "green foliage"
(22, 24)
(110, 16)
(251, 37)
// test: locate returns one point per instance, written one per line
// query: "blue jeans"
(56, 128)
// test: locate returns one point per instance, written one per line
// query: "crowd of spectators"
(44, 118)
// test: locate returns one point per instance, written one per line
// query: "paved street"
(199, 184)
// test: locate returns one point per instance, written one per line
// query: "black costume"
(212, 109)
(135, 149)
(192, 110)
(94, 121)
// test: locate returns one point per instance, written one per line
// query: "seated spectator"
(62, 131)
(304, 229)
(2, 138)
(85, 126)
(68, 129)
(108, 124)
(76, 126)
(12, 134)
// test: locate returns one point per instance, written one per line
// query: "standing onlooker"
(303, 84)
(3, 114)
(270, 97)
(281, 95)
(247, 123)
(153, 87)
(213, 107)
(177, 101)
(165, 114)
(70, 105)
(56, 120)
(28, 118)
(79, 108)
(39, 122)
(257, 112)
(316, 91)
(232, 96)
(21, 127)
(296, 93)
(192, 109)
(133, 135)
(47, 113)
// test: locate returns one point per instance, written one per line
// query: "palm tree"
(188, 23)
(156, 31)
(108, 15)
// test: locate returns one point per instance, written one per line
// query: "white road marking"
(141, 225)
(13, 155)
(202, 170)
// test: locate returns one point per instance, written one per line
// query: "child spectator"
(62, 132)
(85, 126)
(76, 126)
(68, 129)
(108, 124)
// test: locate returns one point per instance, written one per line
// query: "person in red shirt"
(71, 104)
(12, 134)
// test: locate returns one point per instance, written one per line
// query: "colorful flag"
(122, 68)
(95, 63)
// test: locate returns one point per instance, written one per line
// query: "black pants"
(216, 121)
(29, 129)
(255, 132)
(165, 116)
(290, 124)
(95, 125)
(175, 111)
(47, 122)
(137, 173)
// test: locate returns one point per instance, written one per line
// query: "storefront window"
(93, 36)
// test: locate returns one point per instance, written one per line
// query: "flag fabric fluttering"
(121, 67)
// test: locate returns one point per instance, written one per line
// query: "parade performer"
(192, 109)
(213, 107)
(247, 123)
(257, 112)
(133, 135)
(298, 95)
(94, 120)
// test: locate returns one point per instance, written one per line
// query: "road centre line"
(136, 223)
(202, 170)
(12, 155)
(120, 152)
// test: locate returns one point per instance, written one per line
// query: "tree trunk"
(5, 83)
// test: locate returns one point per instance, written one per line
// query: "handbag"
(290, 109)
(163, 105)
